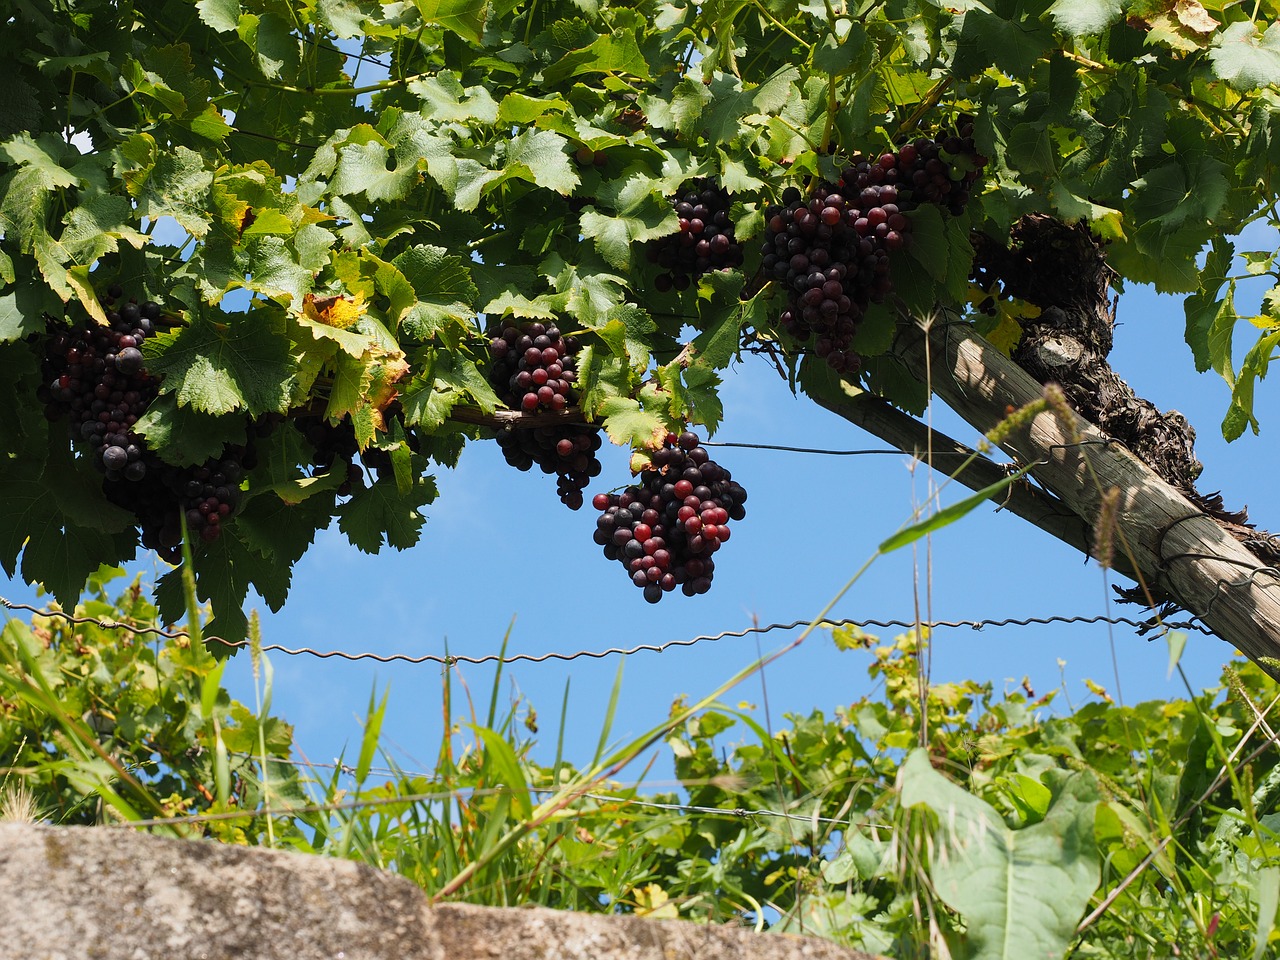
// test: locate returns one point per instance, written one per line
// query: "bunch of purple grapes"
(332, 442)
(940, 170)
(567, 451)
(665, 528)
(206, 496)
(832, 253)
(533, 370)
(94, 377)
(705, 241)
(533, 367)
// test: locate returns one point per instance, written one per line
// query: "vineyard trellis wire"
(1142, 626)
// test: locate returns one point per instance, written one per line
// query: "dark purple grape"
(115, 458)
(129, 360)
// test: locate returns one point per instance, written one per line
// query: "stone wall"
(78, 893)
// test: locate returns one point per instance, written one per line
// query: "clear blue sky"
(498, 545)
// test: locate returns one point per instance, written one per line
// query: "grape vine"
(328, 246)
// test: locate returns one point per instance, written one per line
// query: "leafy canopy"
(334, 197)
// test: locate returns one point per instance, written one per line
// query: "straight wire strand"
(441, 796)
(735, 812)
(449, 660)
(819, 450)
(738, 813)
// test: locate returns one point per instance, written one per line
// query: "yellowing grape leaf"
(629, 424)
(333, 311)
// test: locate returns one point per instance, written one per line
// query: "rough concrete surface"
(79, 893)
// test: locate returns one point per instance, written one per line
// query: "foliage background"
(1158, 815)
(61, 227)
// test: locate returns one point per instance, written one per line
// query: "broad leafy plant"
(310, 217)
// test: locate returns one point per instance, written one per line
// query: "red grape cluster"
(568, 451)
(331, 442)
(534, 370)
(206, 496)
(705, 241)
(664, 528)
(533, 367)
(94, 376)
(941, 170)
(832, 252)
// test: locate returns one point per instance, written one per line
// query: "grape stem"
(930, 101)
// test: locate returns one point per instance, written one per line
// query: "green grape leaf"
(273, 42)
(149, 84)
(1168, 195)
(1084, 18)
(185, 437)
(281, 529)
(731, 105)
(1069, 200)
(241, 362)
(1254, 368)
(95, 227)
(544, 307)
(851, 54)
(1166, 259)
(592, 292)
(694, 393)
(22, 309)
(463, 17)
(1245, 58)
(722, 322)
(444, 99)
(681, 110)
(42, 157)
(55, 514)
(177, 186)
(447, 379)
(874, 336)
(1220, 335)
(629, 424)
(1203, 307)
(886, 376)
(222, 15)
(353, 343)
(519, 109)
(346, 18)
(467, 180)
(364, 168)
(445, 292)
(26, 194)
(614, 235)
(1012, 46)
(612, 53)
(380, 514)
(541, 157)
(927, 242)
(224, 571)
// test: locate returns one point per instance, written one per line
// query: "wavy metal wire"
(1140, 625)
